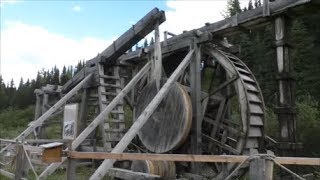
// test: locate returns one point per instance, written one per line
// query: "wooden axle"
(190, 157)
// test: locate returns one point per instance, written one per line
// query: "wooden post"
(83, 111)
(142, 119)
(157, 57)
(21, 163)
(48, 113)
(71, 165)
(261, 167)
(195, 86)
(269, 166)
(286, 101)
(37, 111)
(84, 134)
(257, 166)
(266, 8)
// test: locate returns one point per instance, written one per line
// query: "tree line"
(22, 95)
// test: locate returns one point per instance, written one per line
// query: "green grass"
(14, 121)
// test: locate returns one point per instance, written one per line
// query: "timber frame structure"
(222, 124)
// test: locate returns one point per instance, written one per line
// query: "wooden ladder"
(109, 86)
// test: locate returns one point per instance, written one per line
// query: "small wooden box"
(52, 152)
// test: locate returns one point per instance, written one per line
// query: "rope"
(6, 163)
(237, 168)
(29, 161)
(289, 171)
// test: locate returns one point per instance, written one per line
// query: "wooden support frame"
(286, 100)
(47, 114)
(84, 134)
(142, 119)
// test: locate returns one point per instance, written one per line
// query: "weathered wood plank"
(132, 36)
(189, 157)
(157, 157)
(195, 86)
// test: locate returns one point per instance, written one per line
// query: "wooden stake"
(71, 166)
(142, 119)
(21, 163)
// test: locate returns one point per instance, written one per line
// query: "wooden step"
(117, 112)
(109, 77)
(238, 64)
(256, 120)
(115, 130)
(253, 98)
(243, 71)
(251, 88)
(254, 132)
(252, 143)
(247, 79)
(256, 109)
(109, 93)
(110, 85)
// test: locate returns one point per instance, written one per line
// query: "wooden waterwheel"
(232, 106)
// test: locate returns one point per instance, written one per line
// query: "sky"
(39, 34)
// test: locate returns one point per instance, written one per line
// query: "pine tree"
(250, 6)
(233, 7)
(151, 41)
(3, 96)
(55, 76)
(145, 44)
(302, 57)
(64, 76)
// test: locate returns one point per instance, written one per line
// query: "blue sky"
(76, 19)
(39, 34)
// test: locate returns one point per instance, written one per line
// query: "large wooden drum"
(170, 124)
(165, 169)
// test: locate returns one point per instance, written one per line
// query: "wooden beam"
(190, 157)
(222, 86)
(8, 174)
(142, 119)
(132, 36)
(157, 157)
(233, 25)
(84, 134)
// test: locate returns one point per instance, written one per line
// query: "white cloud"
(5, 2)
(191, 14)
(25, 49)
(76, 8)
